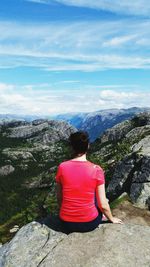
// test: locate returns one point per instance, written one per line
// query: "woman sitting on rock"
(77, 182)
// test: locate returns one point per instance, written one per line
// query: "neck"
(81, 157)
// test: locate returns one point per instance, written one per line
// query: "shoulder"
(97, 167)
(63, 164)
(99, 174)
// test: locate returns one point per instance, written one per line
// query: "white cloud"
(117, 41)
(138, 7)
(123, 99)
(39, 1)
(71, 82)
(83, 46)
(4, 87)
(104, 62)
(47, 102)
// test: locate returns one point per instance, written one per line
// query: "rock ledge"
(109, 245)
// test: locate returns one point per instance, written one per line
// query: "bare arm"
(104, 205)
(59, 193)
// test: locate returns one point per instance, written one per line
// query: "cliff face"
(132, 175)
(127, 147)
(111, 245)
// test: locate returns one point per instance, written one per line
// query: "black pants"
(55, 223)
(82, 227)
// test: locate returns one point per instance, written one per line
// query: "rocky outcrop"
(36, 245)
(45, 131)
(134, 128)
(132, 173)
(117, 132)
(39, 141)
(143, 146)
(40, 181)
(6, 170)
(12, 123)
(14, 155)
(138, 133)
(26, 131)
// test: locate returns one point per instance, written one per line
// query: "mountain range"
(95, 123)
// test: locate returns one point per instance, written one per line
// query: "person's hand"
(116, 220)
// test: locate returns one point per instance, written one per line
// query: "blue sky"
(73, 55)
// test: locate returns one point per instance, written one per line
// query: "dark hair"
(79, 141)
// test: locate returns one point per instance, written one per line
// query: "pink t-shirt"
(79, 180)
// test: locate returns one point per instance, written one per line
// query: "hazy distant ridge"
(95, 123)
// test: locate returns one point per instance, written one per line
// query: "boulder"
(111, 245)
(143, 146)
(117, 132)
(140, 194)
(132, 175)
(30, 246)
(14, 229)
(19, 154)
(138, 133)
(6, 170)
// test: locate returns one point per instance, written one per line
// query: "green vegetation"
(13, 142)
(141, 120)
(18, 219)
(19, 203)
(31, 210)
(120, 150)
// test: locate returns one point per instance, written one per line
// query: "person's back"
(80, 180)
